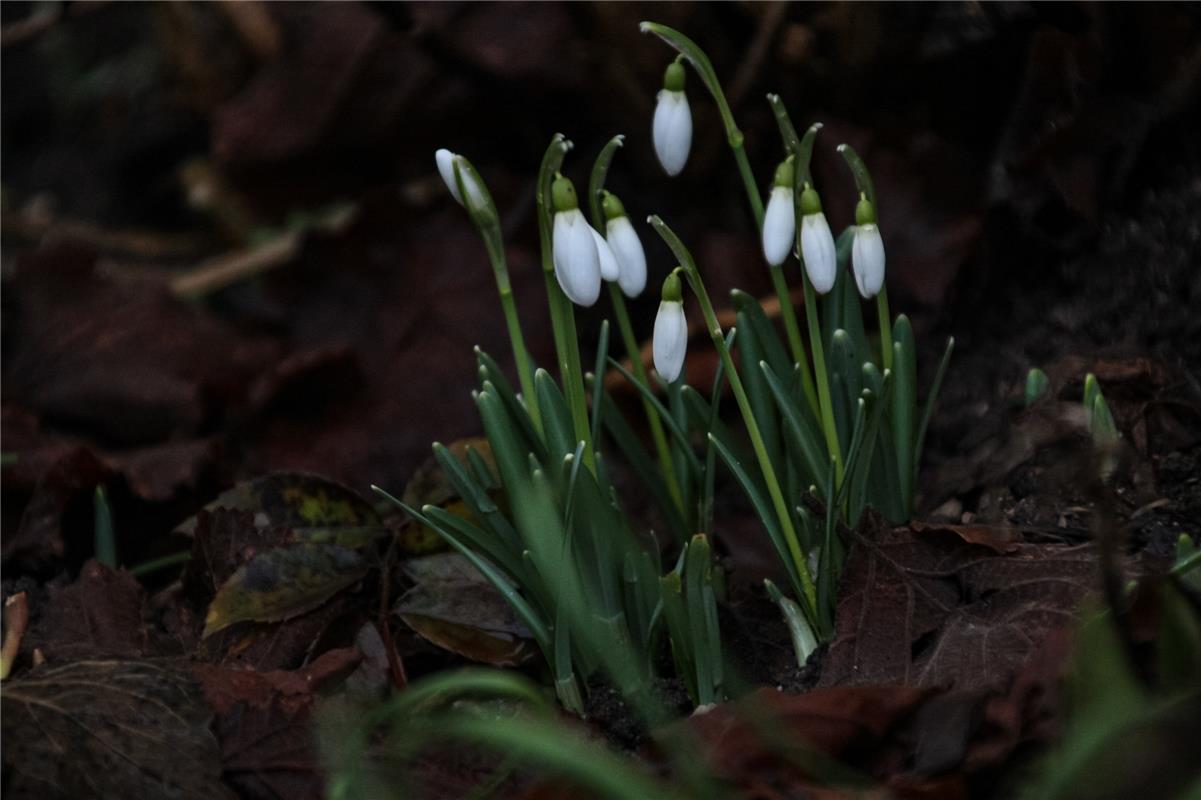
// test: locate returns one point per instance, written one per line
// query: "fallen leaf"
(100, 614)
(454, 607)
(998, 538)
(936, 610)
(264, 724)
(283, 583)
(109, 729)
(314, 507)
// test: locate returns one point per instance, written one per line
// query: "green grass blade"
(920, 442)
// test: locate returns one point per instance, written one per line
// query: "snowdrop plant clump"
(545, 525)
(830, 418)
(833, 417)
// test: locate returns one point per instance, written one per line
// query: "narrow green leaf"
(920, 442)
(806, 442)
(519, 604)
(556, 417)
(762, 508)
(669, 420)
(598, 385)
(104, 535)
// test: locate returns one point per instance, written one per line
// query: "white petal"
(817, 248)
(446, 167)
(670, 341)
(631, 258)
(867, 260)
(779, 226)
(672, 130)
(609, 269)
(577, 265)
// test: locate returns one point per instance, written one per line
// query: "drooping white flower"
(779, 226)
(867, 250)
(867, 260)
(779, 221)
(672, 126)
(817, 243)
(609, 268)
(627, 247)
(577, 263)
(670, 341)
(446, 162)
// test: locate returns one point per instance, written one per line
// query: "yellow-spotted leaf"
(284, 582)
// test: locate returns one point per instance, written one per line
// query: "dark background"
(1037, 168)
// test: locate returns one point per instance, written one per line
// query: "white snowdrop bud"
(779, 221)
(670, 341)
(817, 243)
(447, 161)
(672, 127)
(627, 247)
(867, 251)
(577, 263)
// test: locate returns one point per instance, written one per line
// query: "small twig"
(16, 620)
(237, 266)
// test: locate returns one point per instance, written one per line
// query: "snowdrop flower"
(817, 243)
(627, 247)
(672, 128)
(867, 251)
(779, 221)
(577, 262)
(670, 340)
(609, 270)
(447, 161)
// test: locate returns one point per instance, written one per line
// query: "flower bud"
(446, 162)
(779, 221)
(672, 127)
(670, 341)
(577, 262)
(627, 247)
(817, 243)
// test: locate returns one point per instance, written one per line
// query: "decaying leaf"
(315, 508)
(264, 724)
(454, 607)
(282, 583)
(935, 610)
(109, 729)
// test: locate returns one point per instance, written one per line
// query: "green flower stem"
(885, 327)
(487, 221)
(658, 436)
(704, 68)
(744, 168)
(744, 406)
(562, 317)
(525, 372)
(823, 384)
(794, 335)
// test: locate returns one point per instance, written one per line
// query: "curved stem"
(744, 406)
(704, 68)
(823, 384)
